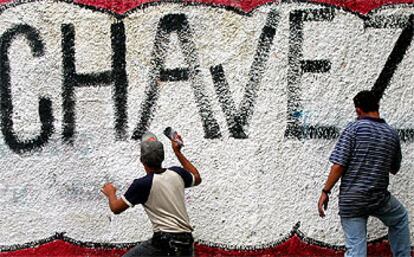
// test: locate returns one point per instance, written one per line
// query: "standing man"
(366, 152)
(161, 192)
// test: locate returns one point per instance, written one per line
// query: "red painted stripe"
(123, 6)
(292, 247)
(360, 6)
(117, 6)
(63, 249)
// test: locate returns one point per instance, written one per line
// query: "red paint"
(294, 246)
(116, 6)
(359, 6)
(63, 249)
(123, 6)
(362, 6)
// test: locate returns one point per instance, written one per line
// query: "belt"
(184, 236)
(174, 244)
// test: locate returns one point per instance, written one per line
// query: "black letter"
(395, 58)
(237, 120)
(298, 66)
(72, 79)
(168, 24)
(45, 105)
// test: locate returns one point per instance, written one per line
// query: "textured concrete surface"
(255, 188)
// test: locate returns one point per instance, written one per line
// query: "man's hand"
(175, 145)
(117, 205)
(109, 190)
(334, 175)
(323, 204)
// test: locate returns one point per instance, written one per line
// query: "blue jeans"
(394, 216)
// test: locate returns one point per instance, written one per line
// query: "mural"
(260, 90)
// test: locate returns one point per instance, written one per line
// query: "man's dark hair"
(367, 101)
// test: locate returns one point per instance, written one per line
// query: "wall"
(259, 93)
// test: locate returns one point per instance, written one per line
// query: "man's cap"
(152, 150)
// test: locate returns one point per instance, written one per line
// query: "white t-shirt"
(162, 195)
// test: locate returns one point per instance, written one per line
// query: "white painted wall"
(254, 190)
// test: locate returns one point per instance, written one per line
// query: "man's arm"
(187, 165)
(117, 205)
(334, 175)
(340, 157)
(396, 162)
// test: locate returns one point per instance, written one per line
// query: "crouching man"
(161, 193)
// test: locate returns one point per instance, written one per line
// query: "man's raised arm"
(187, 165)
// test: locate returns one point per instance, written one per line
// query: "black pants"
(164, 244)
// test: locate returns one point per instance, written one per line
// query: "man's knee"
(403, 222)
(402, 219)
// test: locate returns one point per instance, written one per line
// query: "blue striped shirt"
(368, 149)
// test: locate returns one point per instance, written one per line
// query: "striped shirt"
(368, 149)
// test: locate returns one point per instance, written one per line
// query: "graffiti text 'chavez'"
(237, 118)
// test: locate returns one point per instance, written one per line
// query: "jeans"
(164, 244)
(393, 215)
(144, 249)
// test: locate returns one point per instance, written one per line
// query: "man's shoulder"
(187, 177)
(144, 180)
(361, 123)
(365, 123)
(177, 169)
(379, 124)
(377, 131)
(351, 127)
(139, 190)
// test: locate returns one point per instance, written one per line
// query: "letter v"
(237, 120)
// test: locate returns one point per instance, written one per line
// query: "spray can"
(173, 135)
